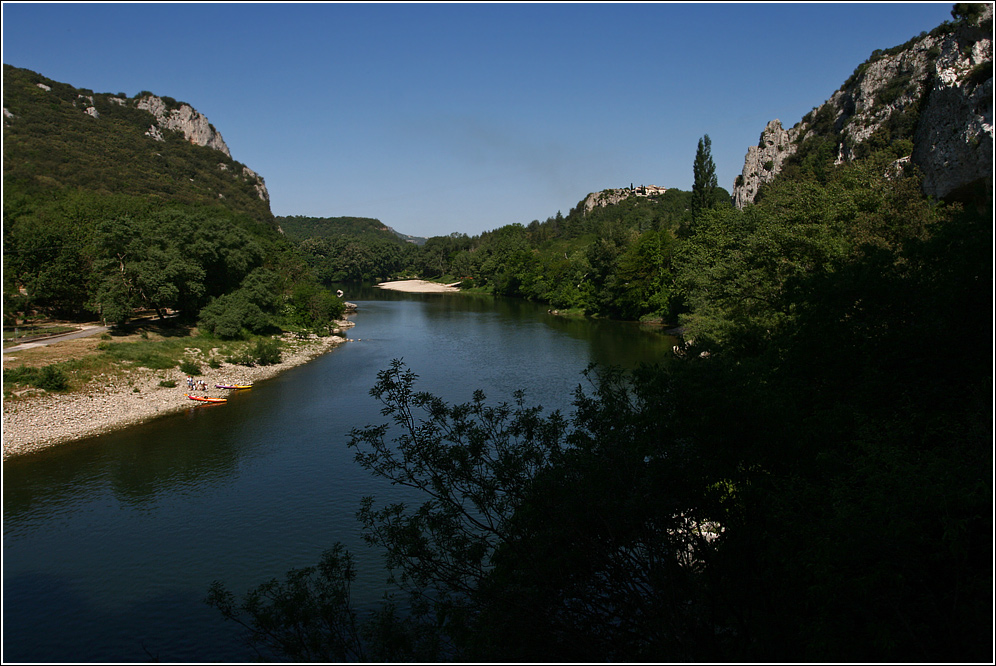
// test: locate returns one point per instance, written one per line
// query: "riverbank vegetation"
(612, 261)
(155, 346)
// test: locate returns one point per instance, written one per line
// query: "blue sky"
(440, 118)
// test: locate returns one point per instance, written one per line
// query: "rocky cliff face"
(764, 161)
(934, 92)
(194, 126)
(197, 130)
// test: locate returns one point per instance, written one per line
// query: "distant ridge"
(299, 228)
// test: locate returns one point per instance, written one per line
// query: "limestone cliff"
(197, 130)
(935, 93)
(194, 126)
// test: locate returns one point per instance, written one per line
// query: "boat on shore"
(204, 398)
(233, 386)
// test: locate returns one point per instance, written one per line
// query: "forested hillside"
(107, 210)
(808, 480)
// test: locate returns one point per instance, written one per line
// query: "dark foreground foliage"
(717, 509)
(811, 480)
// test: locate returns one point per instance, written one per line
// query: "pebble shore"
(52, 419)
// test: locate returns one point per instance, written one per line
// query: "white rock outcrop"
(764, 161)
(954, 139)
(193, 124)
(258, 183)
(942, 82)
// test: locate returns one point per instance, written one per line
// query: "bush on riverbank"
(48, 378)
(265, 351)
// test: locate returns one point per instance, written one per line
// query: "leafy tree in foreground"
(535, 539)
(307, 617)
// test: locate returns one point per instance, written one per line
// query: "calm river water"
(110, 544)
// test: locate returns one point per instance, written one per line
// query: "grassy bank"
(70, 365)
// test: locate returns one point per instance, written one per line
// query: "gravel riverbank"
(51, 419)
(419, 286)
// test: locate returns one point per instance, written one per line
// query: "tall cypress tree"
(704, 186)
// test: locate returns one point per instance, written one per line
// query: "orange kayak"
(204, 398)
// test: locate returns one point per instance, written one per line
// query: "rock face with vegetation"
(194, 126)
(148, 145)
(930, 98)
(764, 161)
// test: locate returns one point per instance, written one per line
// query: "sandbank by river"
(419, 286)
(41, 421)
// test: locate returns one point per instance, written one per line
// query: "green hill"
(59, 137)
(115, 203)
(299, 228)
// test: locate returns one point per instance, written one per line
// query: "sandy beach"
(53, 419)
(419, 286)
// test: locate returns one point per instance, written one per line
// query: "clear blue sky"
(440, 118)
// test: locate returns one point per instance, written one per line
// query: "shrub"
(48, 378)
(980, 73)
(168, 383)
(189, 367)
(266, 351)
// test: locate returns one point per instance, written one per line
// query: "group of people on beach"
(196, 385)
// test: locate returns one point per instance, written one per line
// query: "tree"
(307, 617)
(535, 539)
(704, 184)
(251, 307)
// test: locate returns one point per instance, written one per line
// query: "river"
(110, 544)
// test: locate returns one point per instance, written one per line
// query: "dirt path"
(83, 332)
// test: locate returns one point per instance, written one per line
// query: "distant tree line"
(615, 261)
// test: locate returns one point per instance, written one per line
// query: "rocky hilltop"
(935, 93)
(610, 197)
(56, 135)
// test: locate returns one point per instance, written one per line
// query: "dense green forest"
(614, 261)
(102, 221)
(809, 479)
(299, 228)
